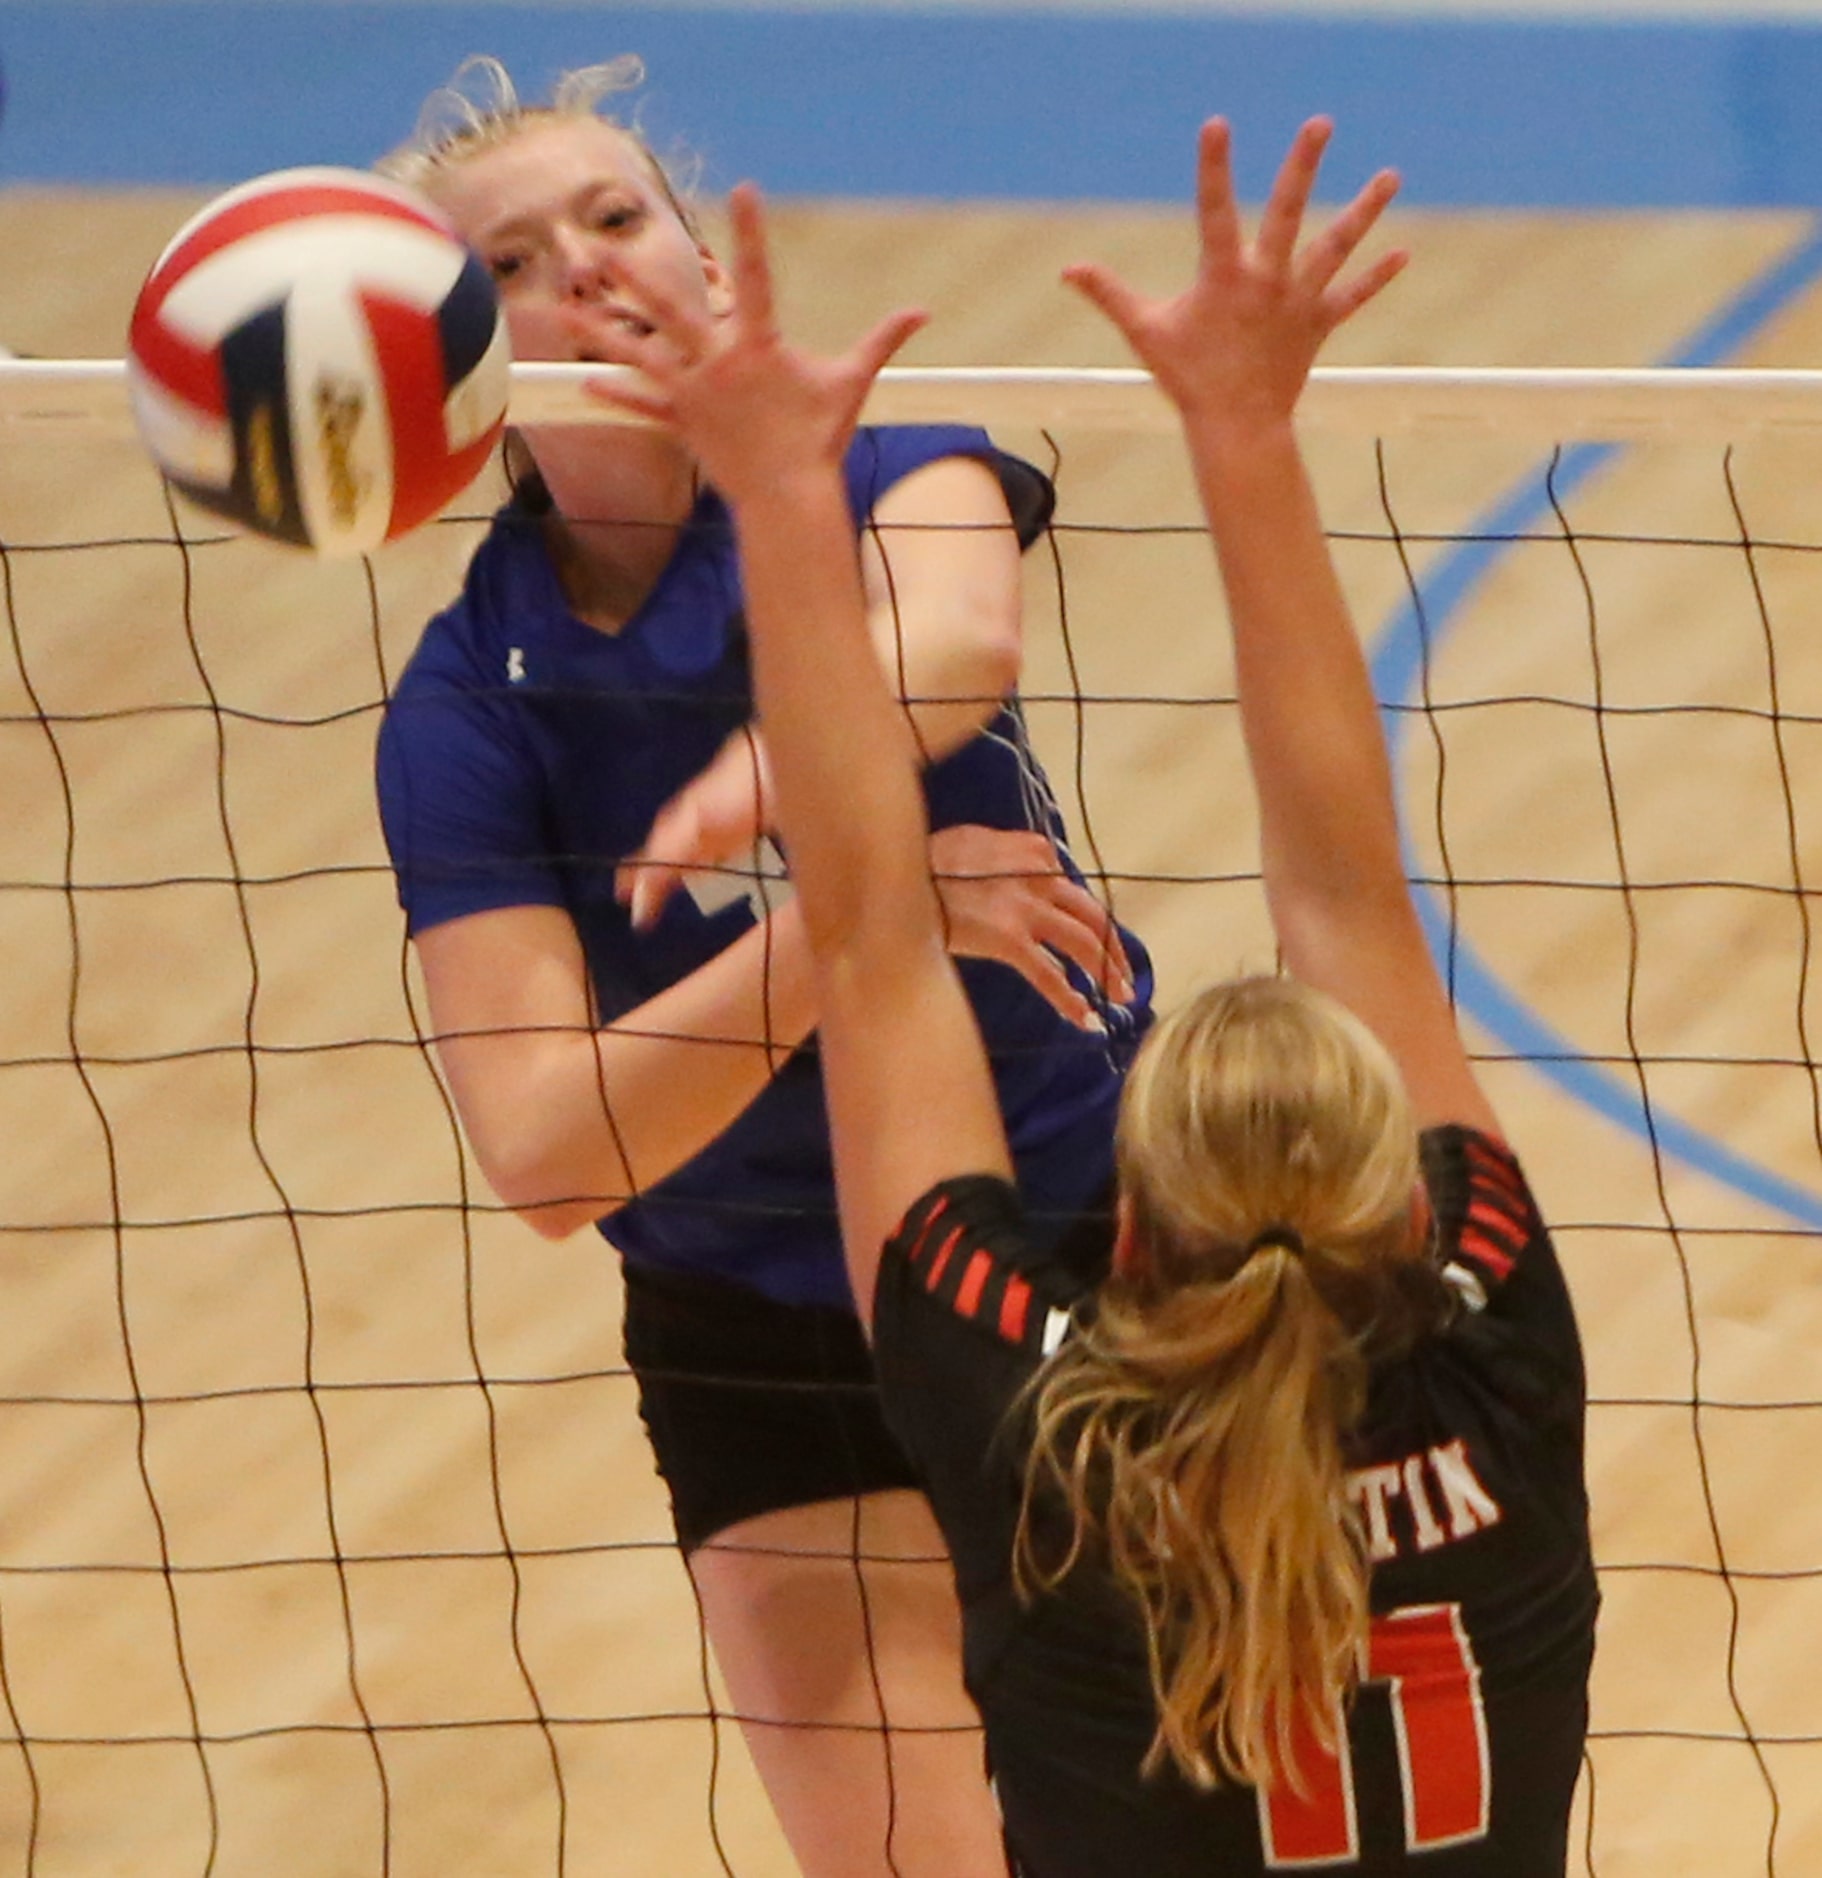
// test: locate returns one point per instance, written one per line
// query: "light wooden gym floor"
(289, 1215)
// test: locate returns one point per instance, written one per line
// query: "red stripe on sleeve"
(1493, 1165)
(1492, 1235)
(934, 1276)
(927, 1228)
(974, 1282)
(1015, 1307)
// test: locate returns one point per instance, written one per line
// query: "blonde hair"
(480, 109)
(1268, 1165)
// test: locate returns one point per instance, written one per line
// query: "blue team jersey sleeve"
(460, 795)
(878, 458)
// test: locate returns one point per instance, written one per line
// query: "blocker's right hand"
(1006, 897)
(1238, 342)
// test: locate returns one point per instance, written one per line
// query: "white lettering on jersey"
(1471, 1506)
(1368, 1488)
(1417, 1498)
(1417, 1480)
(515, 665)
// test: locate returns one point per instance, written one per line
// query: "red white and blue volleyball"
(317, 357)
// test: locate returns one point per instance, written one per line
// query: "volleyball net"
(328, 1536)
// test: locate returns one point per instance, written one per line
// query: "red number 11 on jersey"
(1423, 1656)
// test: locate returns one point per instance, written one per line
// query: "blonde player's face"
(579, 234)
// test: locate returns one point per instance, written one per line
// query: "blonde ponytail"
(1193, 1430)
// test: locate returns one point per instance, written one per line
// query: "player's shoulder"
(883, 455)
(965, 1247)
(891, 445)
(1485, 1218)
(474, 661)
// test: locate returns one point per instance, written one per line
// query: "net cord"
(1686, 404)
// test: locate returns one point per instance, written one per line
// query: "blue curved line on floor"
(1397, 664)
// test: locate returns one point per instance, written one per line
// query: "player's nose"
(585, 265)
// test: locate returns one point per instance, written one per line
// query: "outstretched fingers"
(681, 336)
(754, 301)
(1218, 217)
(1005, 896)
(1282, 220)
(1104, 289)
(849, 379)
(755, 312)
(636, 396)
(724, 377)
(1238, 342)
(1077, 926)
(873, 352)
(1217, 211)
(1327, 253)
(1343, 302)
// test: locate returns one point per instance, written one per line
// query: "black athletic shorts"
(751, 1405)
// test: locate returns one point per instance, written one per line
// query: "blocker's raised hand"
(1241, 338)
(751, 407)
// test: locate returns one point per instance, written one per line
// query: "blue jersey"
(524, 754)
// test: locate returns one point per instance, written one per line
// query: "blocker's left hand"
(751, 408)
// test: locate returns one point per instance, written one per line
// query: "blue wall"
(985, 102)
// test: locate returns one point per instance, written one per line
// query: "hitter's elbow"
(995, 657)
(963, 684)
(551, 1195)
(1001, 653)
(556, 1219)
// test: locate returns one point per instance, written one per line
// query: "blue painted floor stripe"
(1398, 663)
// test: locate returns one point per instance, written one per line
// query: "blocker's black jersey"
(1464, 1742)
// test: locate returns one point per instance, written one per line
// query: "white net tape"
(1704, 405)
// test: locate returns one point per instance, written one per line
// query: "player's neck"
(616, 517)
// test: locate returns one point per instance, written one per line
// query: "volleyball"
(318, 358)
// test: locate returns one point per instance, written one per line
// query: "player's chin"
(540, 341)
